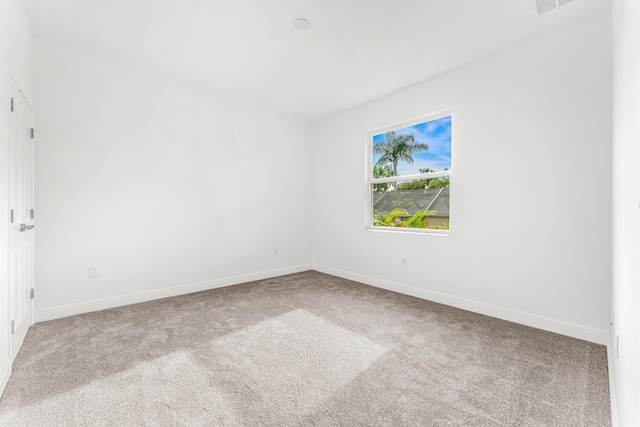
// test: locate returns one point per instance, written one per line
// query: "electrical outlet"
(403, 262)
(275, 251)
(94, 272)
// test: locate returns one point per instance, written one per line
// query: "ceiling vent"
(543, 6)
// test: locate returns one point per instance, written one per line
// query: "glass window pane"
(408, 205)
(424, 147)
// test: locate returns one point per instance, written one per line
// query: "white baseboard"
(466, 304)
(591, 335)
(612, 383)
(102, 304)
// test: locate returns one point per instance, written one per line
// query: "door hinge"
(32, 293)
(13, 327)
(12, 104)
(11, 216)
(32, 133)
(32, 213)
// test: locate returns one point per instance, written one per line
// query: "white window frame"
(370, 181)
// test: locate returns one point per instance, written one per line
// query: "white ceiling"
(355, 50)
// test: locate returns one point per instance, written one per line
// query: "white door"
(21, 156)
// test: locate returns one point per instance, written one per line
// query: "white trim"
(407, 230)
(102, 304)
(612, 377)
(5, 379)
(568, 329)
(412, 177)
(428, 117)
(370, 181)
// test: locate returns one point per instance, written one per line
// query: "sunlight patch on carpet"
(152, 393)
(296, 362)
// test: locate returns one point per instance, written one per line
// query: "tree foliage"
(402, 218)
(382, 171)
(421, 184)
(443, 182)
(391, 219)
(397, 148)
(416, 184)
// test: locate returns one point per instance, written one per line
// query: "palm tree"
(398, 147)
(420, 219)
(401, 218)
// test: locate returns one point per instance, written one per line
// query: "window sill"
(402, 230)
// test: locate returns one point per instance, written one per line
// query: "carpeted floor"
(302, 350)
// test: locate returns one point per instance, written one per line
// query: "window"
(409, 176)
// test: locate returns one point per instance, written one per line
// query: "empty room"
(320, 213)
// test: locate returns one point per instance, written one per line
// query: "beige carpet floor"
(302, 350)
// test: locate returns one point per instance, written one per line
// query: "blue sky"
(437, 134)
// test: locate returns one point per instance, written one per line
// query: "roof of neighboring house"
(413, 201)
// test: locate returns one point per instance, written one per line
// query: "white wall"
(164, 186)
(16, 60)
(532, 147)
(626, 212)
